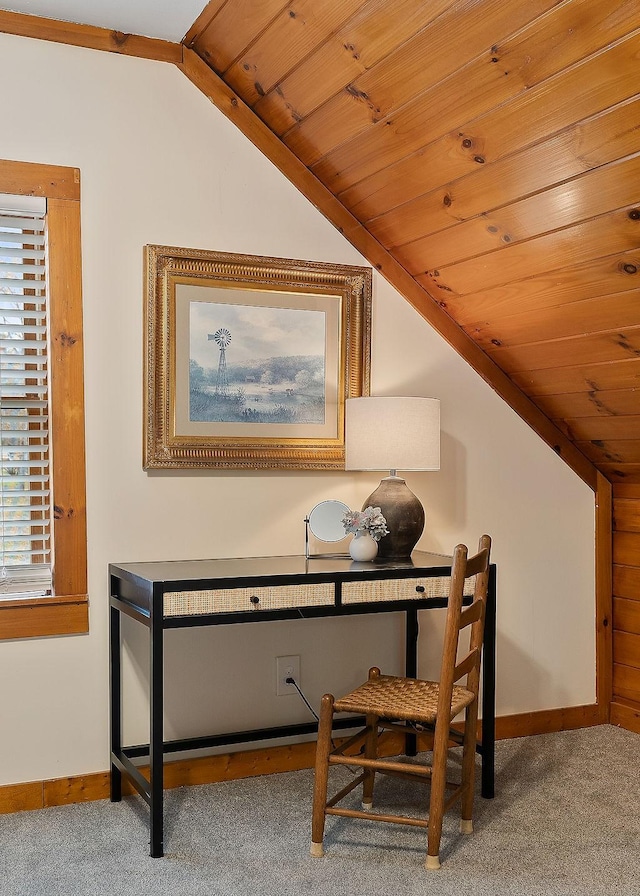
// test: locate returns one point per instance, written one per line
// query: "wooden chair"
(392, 703)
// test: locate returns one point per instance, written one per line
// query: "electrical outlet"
(287, 667)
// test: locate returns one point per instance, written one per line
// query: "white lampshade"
(396, 433)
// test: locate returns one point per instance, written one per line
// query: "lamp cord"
(292, 681)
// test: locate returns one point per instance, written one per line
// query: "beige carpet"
(566, 820)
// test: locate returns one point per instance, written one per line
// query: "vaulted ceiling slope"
(484, 155)
(492, 148)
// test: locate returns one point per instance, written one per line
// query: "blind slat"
(22, 478)
(6, 324)
(27, 222)
(14, 373)
(19, 349)
(15, 404)
(14, 267)
(32, 493)
(19, 251)
(13, 518)
(37, 314)
(12, 286)
(23, 388)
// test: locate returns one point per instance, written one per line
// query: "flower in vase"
(369, 520)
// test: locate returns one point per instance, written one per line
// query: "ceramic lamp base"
(404, 515)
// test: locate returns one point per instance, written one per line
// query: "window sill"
(44, 616)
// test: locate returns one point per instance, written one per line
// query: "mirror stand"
(324, 522)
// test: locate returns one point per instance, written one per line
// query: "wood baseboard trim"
(626, 715)
(271, 760)
(547, 721)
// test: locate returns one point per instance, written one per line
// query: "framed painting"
(249, 360)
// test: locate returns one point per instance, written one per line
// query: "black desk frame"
(138, 589)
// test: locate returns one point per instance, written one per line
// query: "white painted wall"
(159, 164)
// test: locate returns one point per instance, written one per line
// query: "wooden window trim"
(67, 612)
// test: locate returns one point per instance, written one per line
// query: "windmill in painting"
(222, 337)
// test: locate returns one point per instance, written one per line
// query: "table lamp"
(394, 433)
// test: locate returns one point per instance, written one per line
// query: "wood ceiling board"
(612, 451)
(594, 315)
(616, 375)
(230, 28)
(627, 473)
(290, 37)
(603, 138)
(446, 159)
(598, 277)
(558, 353)
(603, 428)
(365, 39)
(537, 114)
(617, 231)
(593, 193)
(615, 402)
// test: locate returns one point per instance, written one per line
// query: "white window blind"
(25, 528)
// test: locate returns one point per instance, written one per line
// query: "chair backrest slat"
(477, 563)
(465, 665)
(471, 614)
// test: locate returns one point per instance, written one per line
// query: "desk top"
(192, 573)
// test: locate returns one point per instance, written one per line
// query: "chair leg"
(321, 775)
(370, 752)
(468, 768)
(436, 802)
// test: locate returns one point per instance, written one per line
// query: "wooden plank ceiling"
(492, 147)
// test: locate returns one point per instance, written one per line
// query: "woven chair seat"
(405, 699)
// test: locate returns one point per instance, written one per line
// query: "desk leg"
(156, 733)
(489, 692)
(115, 703)
(411, 665)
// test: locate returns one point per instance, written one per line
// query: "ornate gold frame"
(348, 288)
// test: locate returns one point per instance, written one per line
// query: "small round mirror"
(325, 520)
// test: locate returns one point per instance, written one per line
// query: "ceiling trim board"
(89, 36)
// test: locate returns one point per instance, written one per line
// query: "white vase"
(363, 546)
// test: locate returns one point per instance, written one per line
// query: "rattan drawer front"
(239, 600)
(399, 589)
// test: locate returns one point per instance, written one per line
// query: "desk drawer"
(399, 589)
(240, 600)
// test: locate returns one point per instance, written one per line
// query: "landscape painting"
(256, 364)
(249, 360)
